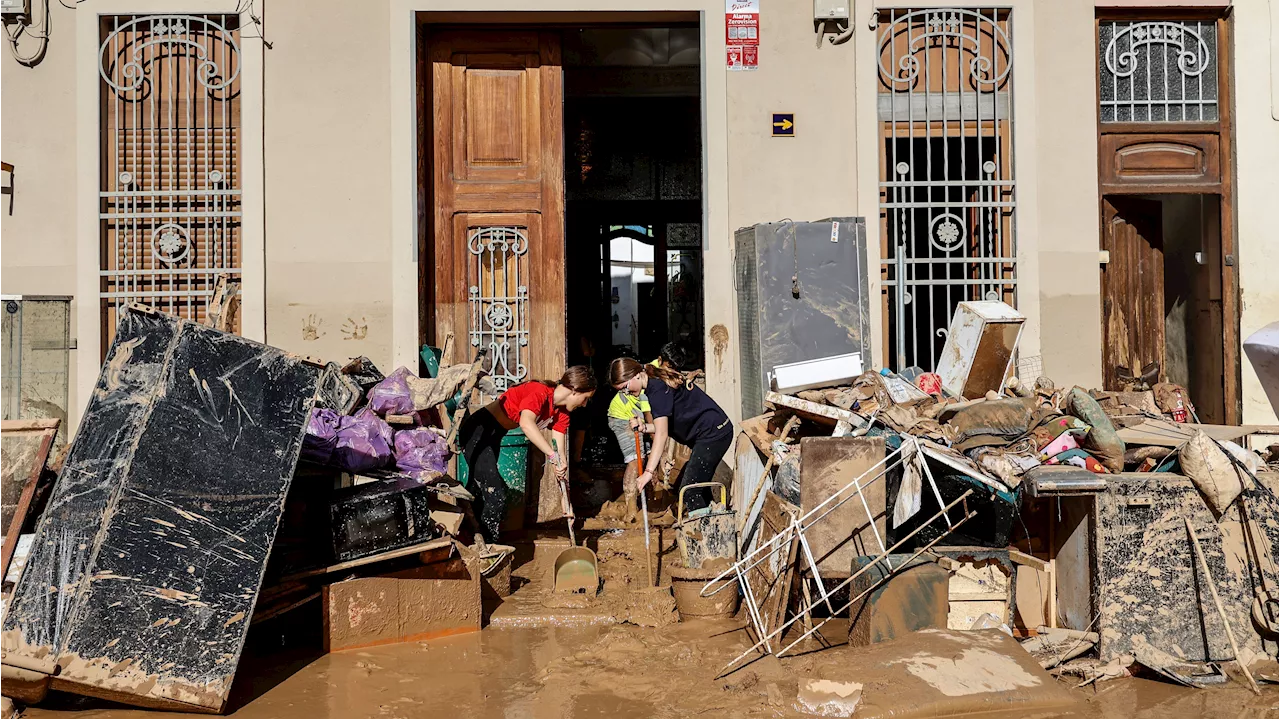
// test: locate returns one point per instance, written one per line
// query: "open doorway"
(1162, 294)
(633, 188)
(562, 177)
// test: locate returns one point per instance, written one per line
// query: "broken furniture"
(158, 529)
(894, 604)
(381, 516)
(438, 598)
(1151, 597)
(26, 445)
(802, 295)
(978, 354)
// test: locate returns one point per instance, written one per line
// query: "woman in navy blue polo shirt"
(682, 412)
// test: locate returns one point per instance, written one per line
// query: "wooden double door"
(493, 186)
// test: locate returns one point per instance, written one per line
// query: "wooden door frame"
(1224, 188)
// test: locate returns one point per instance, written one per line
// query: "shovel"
(644, 509)
(575, 568)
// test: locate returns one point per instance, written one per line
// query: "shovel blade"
(576, 571)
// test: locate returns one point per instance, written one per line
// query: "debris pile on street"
(1111, 530)
(215, 483)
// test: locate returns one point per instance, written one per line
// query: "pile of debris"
(1111, 529)
(214, 483)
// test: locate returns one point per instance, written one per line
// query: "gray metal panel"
(748, 287)
(824, 312)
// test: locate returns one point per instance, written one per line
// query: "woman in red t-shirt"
(531, 406)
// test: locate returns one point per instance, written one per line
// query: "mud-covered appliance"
(802, 295)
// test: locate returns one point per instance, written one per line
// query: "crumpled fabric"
(421, 453)
(364, 442)
(1079, 458)
(909, 491)
(322, 435)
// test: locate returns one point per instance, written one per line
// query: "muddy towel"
(322, 436)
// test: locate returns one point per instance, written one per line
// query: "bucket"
(575, 571)
(687, 584)
(707, 534)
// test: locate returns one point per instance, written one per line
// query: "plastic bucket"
(687, 584)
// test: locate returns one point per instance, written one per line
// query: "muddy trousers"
(481, 441)
(704, 457)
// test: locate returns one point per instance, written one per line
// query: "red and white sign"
(742, 34)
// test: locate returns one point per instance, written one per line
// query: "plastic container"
(687, 585)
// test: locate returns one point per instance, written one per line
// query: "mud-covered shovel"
(575, 569)
(644, 509)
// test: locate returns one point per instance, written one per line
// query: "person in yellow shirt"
(626, 414)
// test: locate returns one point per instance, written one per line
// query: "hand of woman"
(644, 479)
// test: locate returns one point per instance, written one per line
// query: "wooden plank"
(1027, 560)
(1230, 276)
(1161, 433)
(28, 425)
(827, 465)
(434, 544)
(771, 579)
(823, 413)
(27, 460)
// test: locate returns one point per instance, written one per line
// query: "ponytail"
(623, 369)
(670, 377)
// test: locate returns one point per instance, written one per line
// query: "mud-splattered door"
(497, 181)
(1132, 287)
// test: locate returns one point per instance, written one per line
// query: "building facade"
(378, 177)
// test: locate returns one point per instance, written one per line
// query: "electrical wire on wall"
(18, 29)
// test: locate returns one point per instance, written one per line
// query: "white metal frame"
(908, 452)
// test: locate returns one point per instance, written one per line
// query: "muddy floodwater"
(614, 671)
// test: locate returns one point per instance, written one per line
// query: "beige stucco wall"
(335, 168)
(1066, 180)
(38, 221)
(328, 150)
(1257, 191)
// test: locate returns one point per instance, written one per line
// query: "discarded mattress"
(148, 560)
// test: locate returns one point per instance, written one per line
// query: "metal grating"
(498, 295)
(947, 188)
(170, 192)
(748, 286)
(1158, 71)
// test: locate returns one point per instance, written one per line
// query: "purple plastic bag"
(391, 395)
(322, 436)
(364, 442)
(421, 451)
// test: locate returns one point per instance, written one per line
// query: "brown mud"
(575, 656)
(626, 671)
